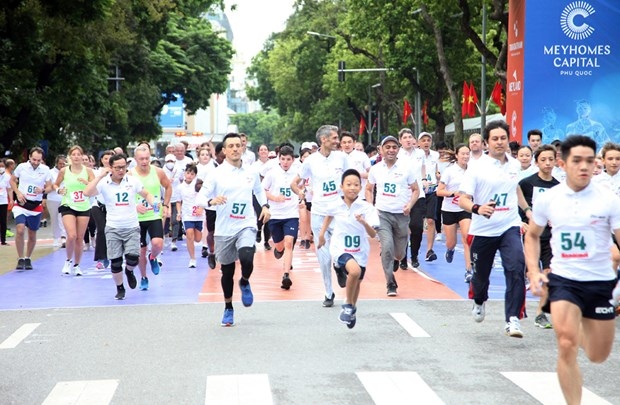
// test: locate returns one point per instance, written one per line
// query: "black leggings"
(98, 213)
(416, 226)
(3, 221)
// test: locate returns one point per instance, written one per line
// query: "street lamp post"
(418, 104)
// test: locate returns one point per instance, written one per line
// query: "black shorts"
(65, 210)
(592, 297)
(155, 229)
(452, 218)
(545, 253)
(431, 206)
(342, 260)
(211, 217)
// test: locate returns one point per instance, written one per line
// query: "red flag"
(465, 100)
(473, 100)
(362, 126)
(497, 95)
(425, 112)
(406, 112)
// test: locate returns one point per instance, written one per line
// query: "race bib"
(575, 244)
(77, 196)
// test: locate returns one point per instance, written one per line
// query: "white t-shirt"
(30, 178)
(120, 201)
(348, 235)
(416, 165)
(558, 173)
(238, 185)
(360, 162)
(263, 167)
(582, 223)
(5, 188)
(278, 182)
(325, 173)
(527, 172)
(393, 185)
(204, 170)
(53, 195)
(452, 178)
(190, 211)
(491, 180)
(248, 157)
(429, 164)
(611, 183)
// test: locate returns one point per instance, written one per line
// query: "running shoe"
(286, 282)
(106, 263)
(205, 252)
(192, 264)
(173, 246)
(120, 292)
(144, 283)
(211, 261)
(229, 317)
(478, 312)
(403, 264)
(438, 238)
(154, 265)
(21, 264)
(341, 275)
(247, 298)
(77, 270)
(64, 242)
(468, 275)
(277, 254)
(414, 263)
(307, 243)
(431, 256)
(258, 237)
(9, 234)
(66, 269)
(27, 264)
(542, 321)
(329, 301)
(449, 255)
(513, 327)
(131, 279)
(396, 266)
(347, 315)
(391, 290)
(267, 246)
(99, 265)
(44, 223)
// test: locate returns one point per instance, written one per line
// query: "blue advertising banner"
(172, 115)
(572, 69)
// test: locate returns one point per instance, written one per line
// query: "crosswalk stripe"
(409, 324)
(545, 387)
(20, 334)
(398, 387)
(240, 389)
(94, 392)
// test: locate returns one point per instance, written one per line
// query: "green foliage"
(262, 128)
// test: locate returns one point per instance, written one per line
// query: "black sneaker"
(286, 282)
(205, 252)
(277, 254)
(27, 264)
(415, 263)
(329, 301)
(267, 246)
(131, 279)
(391, 290)
(21, 264)
(341, 274)
(211, 261)
(403, 264)
(430, 256)
(120, 292)
(396, 266)
(258, 237)
(307, 244)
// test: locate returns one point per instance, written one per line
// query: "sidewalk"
(8, 254)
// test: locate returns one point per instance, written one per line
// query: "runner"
(122, 230)
(284, 221)
(230, 190)
(33, 179)
(98, 212)
(75, 207)
(189, 212)
(353, 219)
(6, 200)
(153, 180)
(580, 284)
(396, 194)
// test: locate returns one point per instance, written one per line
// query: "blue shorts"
(342, 262)
(283, 227)
(197, 225)
(592, 297)
(32, 222)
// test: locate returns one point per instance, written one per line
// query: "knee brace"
(131, 260)
(246, 257)
(116, 265)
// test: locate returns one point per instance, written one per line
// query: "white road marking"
(95, 392)
(409, 324)
(398, 387)
(20, 334)
(250, 389)
(545, 387)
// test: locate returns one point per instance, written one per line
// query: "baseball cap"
(314, 145)
(389, 138)
(306, 145)
(272, 154)
(171, 157)
(423, 134)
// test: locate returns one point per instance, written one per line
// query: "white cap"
(423, 134)
(169, 157)
(306, 145)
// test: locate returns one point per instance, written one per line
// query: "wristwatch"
(266, 206)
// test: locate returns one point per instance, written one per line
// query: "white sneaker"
(76, 270)
(513, 327)
(478, 312)
(173, 246)
(438, 238)
(192, 264)
(66, 269)
(57, 242)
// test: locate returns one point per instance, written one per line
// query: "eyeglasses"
(119, 167)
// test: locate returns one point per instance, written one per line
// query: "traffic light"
(341, 67)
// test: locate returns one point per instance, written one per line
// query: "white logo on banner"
(572, 22)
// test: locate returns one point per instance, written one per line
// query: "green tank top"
(152, 185)
(74, 198)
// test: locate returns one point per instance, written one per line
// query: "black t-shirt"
(531, 185)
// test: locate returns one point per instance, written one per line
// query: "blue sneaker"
(106, 263)
(154, 266)
(468, 276)
(144, 284)
(449, 255)
(347, 315)
(247, 298)
(229, 317)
